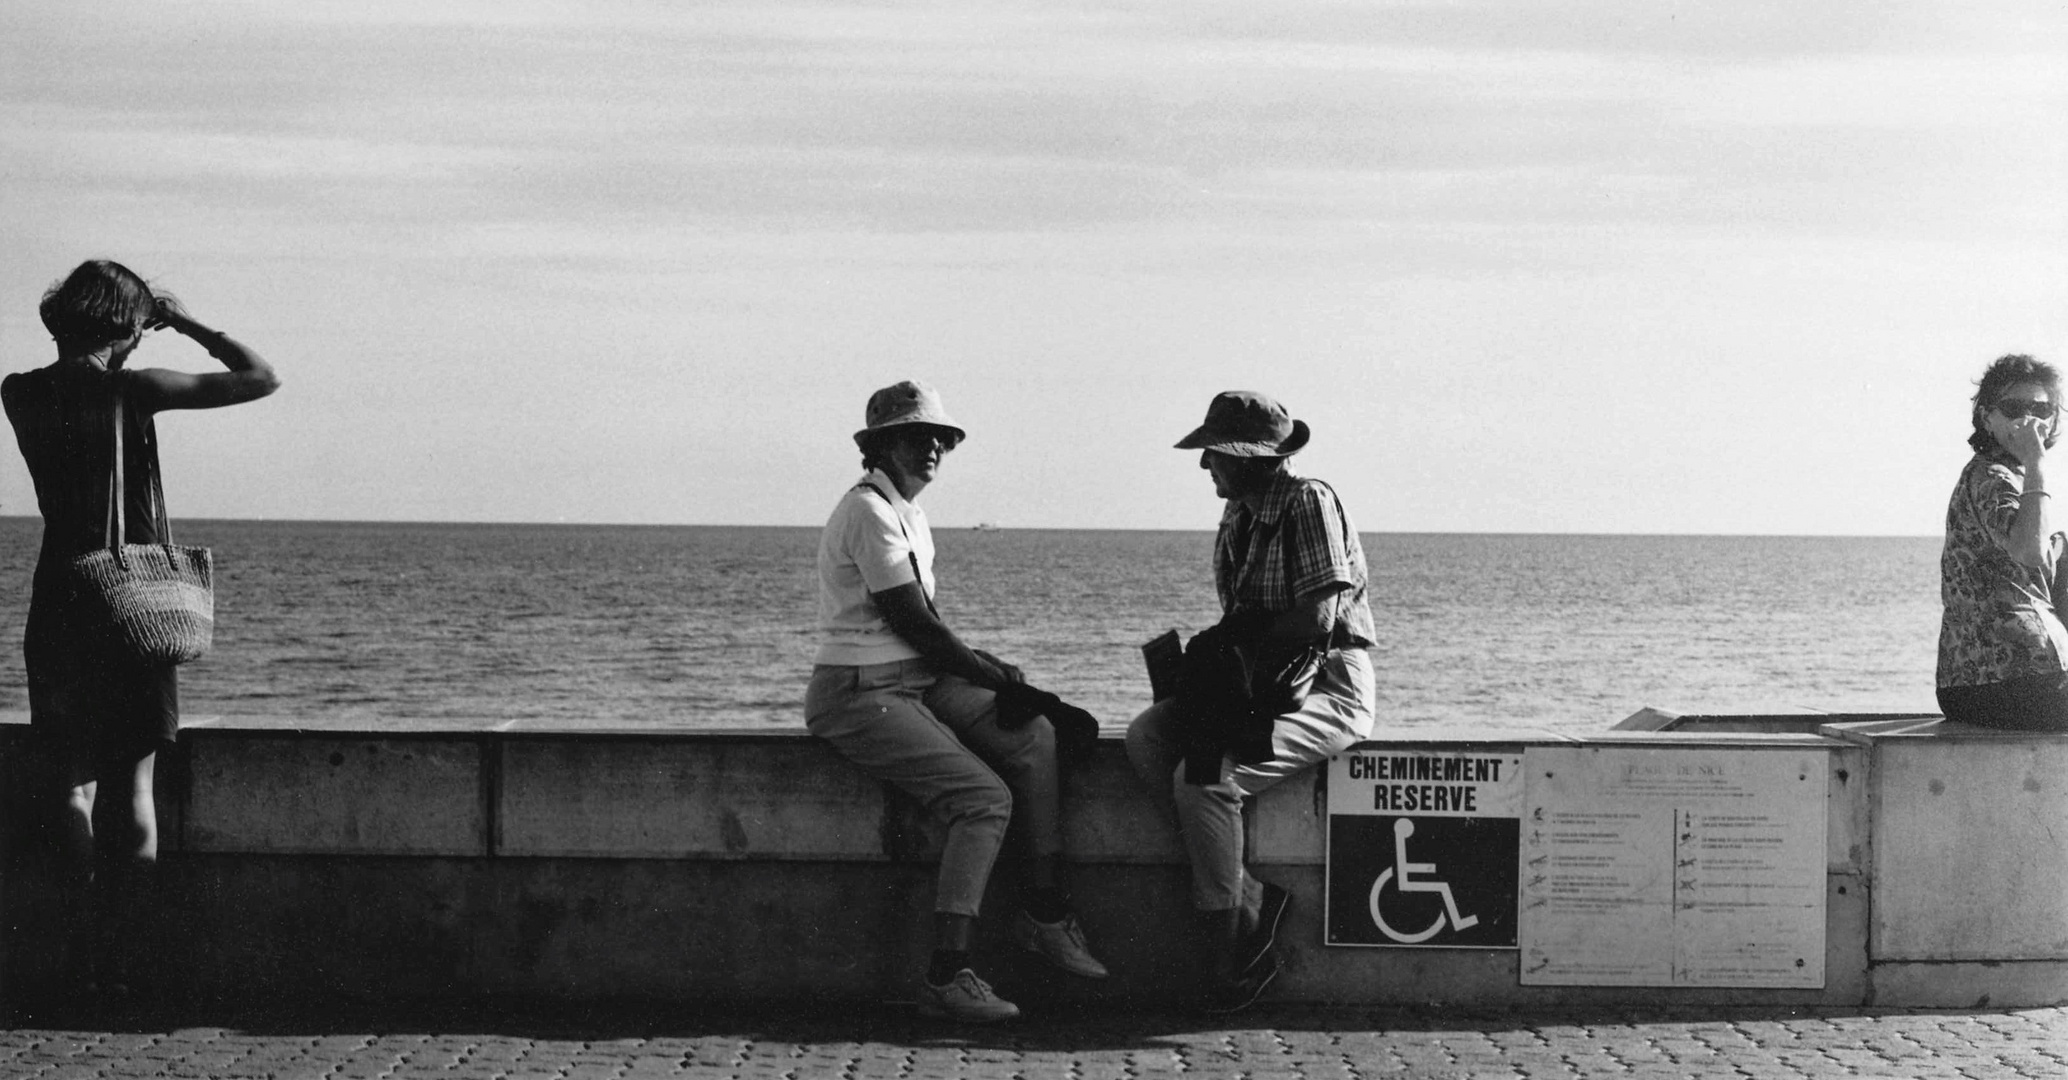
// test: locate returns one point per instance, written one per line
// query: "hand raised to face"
(2023, 420)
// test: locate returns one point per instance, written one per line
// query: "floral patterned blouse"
(2000, 621)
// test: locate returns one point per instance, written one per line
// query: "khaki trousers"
(1337, 713)
(937, 739)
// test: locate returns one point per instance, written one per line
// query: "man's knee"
(985, 798)
(1224, 796)
(1030, 751)
(1147, 745)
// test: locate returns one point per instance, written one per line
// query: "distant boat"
(986, 526)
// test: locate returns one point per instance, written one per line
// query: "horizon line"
(992, 527)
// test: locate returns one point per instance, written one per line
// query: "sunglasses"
(2043, 410)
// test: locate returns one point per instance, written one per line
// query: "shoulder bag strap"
(910, 552)
(159, 514)
(115, 525)
(112, 523)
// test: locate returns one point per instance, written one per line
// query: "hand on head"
(166, 310)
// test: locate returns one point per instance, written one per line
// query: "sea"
(414, 626)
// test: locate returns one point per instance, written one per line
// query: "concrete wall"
(727, 865)
(1969, 863)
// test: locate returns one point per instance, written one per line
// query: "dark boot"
(1259, 930)
(1236, 970)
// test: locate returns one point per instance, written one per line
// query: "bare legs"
(107, 869)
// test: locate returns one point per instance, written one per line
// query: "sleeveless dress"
(97, 703)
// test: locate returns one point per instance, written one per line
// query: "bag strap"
(114, 525)
(112, 529)
(159, 515)
(910, 552)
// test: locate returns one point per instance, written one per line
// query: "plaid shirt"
(1253, 570)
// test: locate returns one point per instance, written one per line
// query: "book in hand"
(1164, 655)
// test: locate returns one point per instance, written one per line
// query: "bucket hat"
(1244, 423)
(908, 402)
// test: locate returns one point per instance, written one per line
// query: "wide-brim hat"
(908, 402)
(1244, 423)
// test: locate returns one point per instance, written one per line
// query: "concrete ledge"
(719, 866)
(1970, 826)
(668, 798)
(352, 796)
(1968, 985)
(632, 795)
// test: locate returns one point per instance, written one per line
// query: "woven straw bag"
(159, 599)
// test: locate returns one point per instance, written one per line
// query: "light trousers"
(937, 738)
(1337, 714)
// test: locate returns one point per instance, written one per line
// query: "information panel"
(1422, 848)
(1650, 866)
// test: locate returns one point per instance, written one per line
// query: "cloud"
(1001, 117)
(2019, 91)
(586, 216)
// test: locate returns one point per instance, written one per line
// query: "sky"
(1595, 267)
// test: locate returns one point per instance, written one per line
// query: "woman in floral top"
(2003, 653)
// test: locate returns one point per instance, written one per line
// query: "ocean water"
(631, 626)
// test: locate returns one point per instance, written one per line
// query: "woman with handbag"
(898, 694)
(99, 709)
(1282, 683)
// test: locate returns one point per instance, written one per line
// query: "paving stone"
(311, 1070)
(1310, 1044)
(477, 1070)
(69, 1071)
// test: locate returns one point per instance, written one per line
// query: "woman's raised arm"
(2030, 541)
(249, 376)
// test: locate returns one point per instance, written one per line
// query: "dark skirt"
(90, 700)
(2027, 703)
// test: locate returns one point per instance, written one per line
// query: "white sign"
(1665, 866)
(1422, 847)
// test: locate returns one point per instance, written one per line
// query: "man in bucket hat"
(1291, 577)
(897, 693)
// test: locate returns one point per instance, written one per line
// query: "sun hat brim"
(1204, 437)
(861, 437)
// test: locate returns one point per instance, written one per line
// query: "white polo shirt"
(868, 546)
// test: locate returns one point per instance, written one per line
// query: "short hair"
(98, 304)
(876, 444)
(2005, 372)
(1256, 470)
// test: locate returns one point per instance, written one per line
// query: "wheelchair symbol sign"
(1404, 881)
(1432, 882)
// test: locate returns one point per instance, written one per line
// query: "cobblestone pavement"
(479, 1042)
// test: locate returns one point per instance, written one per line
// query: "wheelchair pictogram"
(1405, 882)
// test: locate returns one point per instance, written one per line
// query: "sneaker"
(1060, 943)
(1242, 991)
(966, 998)
(1270, 912)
